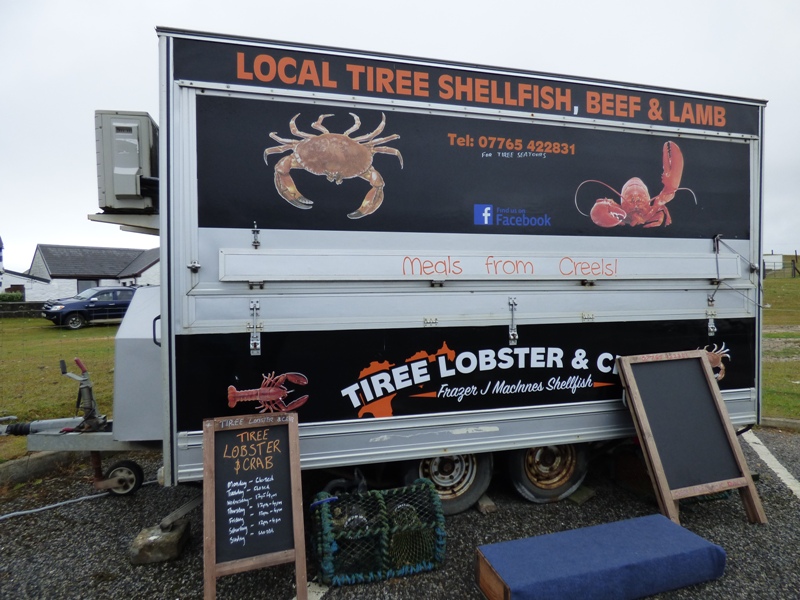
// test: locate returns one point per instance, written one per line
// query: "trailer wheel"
(129, 473)
(74, 321)
(547, 473)
(460, 479)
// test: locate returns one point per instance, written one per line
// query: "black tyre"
(74, 321)
(547, 473)
(130, 476)
(460, 479)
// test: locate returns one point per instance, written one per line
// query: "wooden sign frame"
(700, 409)
(254, 431)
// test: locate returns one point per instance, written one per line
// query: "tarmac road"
(80, 549)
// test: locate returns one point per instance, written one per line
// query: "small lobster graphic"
(715, 356)
(636, 207)
(272, 393)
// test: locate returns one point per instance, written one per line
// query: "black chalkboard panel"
(688, 441)
(253, 512)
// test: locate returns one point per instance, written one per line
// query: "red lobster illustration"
(272, 393)
(635, 206)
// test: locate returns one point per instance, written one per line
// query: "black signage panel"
(337, 375)
(260, 64)
(299, 166)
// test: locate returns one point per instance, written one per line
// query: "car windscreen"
(86, 294)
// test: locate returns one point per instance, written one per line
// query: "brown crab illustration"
(337, 156)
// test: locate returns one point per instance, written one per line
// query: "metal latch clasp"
(513, 336)
(255, 329)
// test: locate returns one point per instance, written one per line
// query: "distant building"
(62, 271)
(773, 262)
(31, 288)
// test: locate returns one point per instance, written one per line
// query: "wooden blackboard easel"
(689, 443)
(252, 497)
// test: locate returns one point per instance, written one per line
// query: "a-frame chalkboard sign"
(689, 443)
(252, 497)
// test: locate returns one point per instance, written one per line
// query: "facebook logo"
(483, 214)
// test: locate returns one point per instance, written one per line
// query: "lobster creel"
(378, 534)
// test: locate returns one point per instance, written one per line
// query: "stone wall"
(20, 309)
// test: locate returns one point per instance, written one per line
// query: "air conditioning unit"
(127, 162)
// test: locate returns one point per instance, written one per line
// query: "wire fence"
(787, 269)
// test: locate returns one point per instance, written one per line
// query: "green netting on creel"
(379, 534)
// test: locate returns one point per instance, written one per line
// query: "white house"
(62, 271)
(36, 288)
(773, 262)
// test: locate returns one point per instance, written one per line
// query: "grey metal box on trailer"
(138, 401)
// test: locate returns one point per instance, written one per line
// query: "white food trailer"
(430, 262)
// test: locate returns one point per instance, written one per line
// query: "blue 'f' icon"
(483, 214)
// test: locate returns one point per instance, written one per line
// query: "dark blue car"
(93, 304)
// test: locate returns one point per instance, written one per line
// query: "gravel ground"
(79, 550)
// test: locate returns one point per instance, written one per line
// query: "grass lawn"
(32, 387)
(782, 302)
(31, 384)
(781, 349)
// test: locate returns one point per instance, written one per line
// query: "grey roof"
(26, 276)
(86, 262)
(141, 263)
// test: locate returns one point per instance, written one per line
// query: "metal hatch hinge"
(255, 329)
(513, 336)
(256, 231)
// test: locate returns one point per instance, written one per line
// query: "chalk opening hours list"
(253, 507)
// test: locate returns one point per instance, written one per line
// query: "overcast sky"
(60, 61)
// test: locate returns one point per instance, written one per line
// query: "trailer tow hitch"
(92, 421)
(124, 477)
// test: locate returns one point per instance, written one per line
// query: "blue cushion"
(615, 561)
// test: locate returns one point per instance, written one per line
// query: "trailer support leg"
(97, 467)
